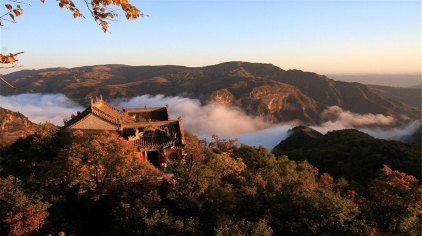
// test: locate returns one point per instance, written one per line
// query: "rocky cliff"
(14, 125)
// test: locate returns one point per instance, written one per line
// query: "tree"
(242, 227)
(218, 144)
(21, 213)
(105, 186)
(26, 157)
(96, 185)
(98, 164)
(292, 197)
(102, 11)
(395, 202)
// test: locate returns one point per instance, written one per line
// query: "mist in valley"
(209, 119)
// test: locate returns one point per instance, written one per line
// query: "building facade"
(157, 137)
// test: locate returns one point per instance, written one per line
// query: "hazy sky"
(344, 36)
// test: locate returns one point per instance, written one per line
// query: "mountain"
(349, 153)
(410, 96)
(13, 126)
(394, 80)
(259, 89)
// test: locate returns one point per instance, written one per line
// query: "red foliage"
(24, 222)
(392, 182)
(223, 145)
(325, 181)
(351, 193)
(396, 197)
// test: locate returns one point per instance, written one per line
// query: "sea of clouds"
(209, 119)
(200, 119)
(41, 107)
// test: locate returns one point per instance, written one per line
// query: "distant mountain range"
(411, 96)
(259, 89)
(394, 80)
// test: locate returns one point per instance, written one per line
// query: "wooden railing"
(153, 141)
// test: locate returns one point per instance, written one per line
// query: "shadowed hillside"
(349, 153)
(259, 89)
(410, 96)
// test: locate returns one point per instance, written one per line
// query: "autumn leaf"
(98, 8)
(104, 26)
(17, 12)
(11, 59)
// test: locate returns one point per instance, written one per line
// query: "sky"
(324, 36)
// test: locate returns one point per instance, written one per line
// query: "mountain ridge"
(262, 90)
(350, 153)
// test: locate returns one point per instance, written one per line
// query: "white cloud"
(393, 133)
(209, 119)
(337, 118)
(201, 119)
(41, 107)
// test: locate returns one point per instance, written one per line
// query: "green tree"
(203, 185)
(96, 184)
(292, 197)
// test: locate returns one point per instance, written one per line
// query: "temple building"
(150, 129)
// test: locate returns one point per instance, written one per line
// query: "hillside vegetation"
(350, 154)
(58, 183)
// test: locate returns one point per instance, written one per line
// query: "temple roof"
(149, 113)
(77, 118)
(108, 112)
(147, 128)
(104, 110)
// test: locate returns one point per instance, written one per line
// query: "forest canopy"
(62, 183)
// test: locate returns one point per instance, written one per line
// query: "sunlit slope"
(259, 89)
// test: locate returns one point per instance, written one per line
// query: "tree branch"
(5, 81)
